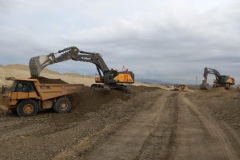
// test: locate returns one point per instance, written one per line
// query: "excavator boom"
(38, 63)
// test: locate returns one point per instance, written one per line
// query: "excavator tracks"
(100, 88)
(106, 88)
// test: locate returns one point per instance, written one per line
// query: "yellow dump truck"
(180, 88)
(28, 96)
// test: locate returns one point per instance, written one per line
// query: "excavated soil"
(151, 123)
(222, 104)
(51, 81)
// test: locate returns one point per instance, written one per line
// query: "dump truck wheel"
(27, 107)
(63, 105)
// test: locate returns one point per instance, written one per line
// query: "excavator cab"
(107, 77)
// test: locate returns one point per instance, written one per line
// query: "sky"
(170, 41)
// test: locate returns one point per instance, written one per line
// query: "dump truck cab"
(28, 96)
(20, 89)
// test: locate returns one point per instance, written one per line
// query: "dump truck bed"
(28, 96)
(36, 90)
(49, 91)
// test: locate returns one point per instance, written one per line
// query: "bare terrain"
(151, 123)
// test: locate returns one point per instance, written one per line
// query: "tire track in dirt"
(161, 142)
(232, 136)
(12, 127)
(22, 131)
(109, 120)
(127, 141)
(215, 145)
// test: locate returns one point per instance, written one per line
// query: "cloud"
(159, 40)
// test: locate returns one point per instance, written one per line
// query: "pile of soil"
(50, 81)
(232, 89)
(88, 100)
(218, 89)
(223, 104)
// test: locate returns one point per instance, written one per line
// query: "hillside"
(22, 71)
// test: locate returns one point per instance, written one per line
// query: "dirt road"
(151, 123)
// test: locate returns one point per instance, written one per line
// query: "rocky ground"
(151, 123)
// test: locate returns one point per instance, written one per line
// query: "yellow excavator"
(219, 81)
(108, 78)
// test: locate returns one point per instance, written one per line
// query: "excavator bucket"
(37, 64)
(204, 86)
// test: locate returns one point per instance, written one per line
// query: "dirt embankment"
(223, 104)
(150, 123)
(22, 71)
(46, 135)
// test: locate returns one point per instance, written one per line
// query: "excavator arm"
(110, 78)
(210, 71)
(38, 63)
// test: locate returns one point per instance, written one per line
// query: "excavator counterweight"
(108, 78)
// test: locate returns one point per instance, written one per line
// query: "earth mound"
(51, 81)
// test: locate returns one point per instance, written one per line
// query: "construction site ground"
(151, 123)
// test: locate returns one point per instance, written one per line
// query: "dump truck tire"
(63, 105)
(27, 107)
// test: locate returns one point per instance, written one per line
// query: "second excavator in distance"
(108, 78)
(220, 80)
